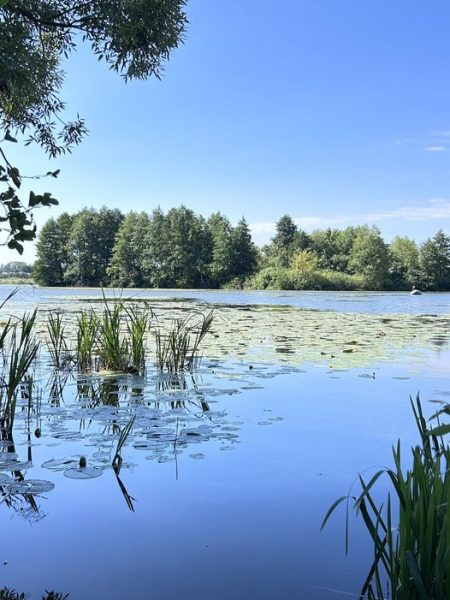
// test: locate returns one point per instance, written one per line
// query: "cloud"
(433, 209)
(401, 141)
(435, 149)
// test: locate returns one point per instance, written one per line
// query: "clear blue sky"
(334, 111)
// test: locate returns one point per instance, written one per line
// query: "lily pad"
(59, 464)
(83, 473)
(31, 486)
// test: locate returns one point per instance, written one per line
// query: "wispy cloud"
(407, 140)
(434, 209)
(435, 149)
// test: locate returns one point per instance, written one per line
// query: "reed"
(56, 342)
(113, 345)
(410, 532)
(178, 349)
(117, 460)
(138, 324)
(22, 350)
(87, 337)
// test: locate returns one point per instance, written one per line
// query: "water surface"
(226, 477)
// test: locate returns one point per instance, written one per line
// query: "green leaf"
(14, 245)
(8, 137)
(440, 430)
(331, 510)
(13, 172)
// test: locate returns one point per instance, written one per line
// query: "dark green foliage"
(180, 249)
(369, 257)
(410, 532)
(404, 260)
(90, 246)
(52, 251)
(435, 262)
(221, 264)
(134, 38)
(287, 240)
(243, 252)
(125, 268)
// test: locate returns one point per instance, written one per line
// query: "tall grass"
(56, 341)
(113, 345)
(21, 349)
(138, 325)
(410, 532)
(178, 349)
(87, 337)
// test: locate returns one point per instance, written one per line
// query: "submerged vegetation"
(180, 249)
(410, 531)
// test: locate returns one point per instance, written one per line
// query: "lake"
(227, 475)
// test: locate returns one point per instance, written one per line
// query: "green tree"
(134, 38)
(333, 247)
(125, 268)
(90, 246)
(155, 256)
(404, 262)
(244, 254)
(287, 240)
(52, 251)
(435, 262)
(221, 264)
(369, 257)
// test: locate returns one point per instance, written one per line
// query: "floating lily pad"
(31, 486)
(83, 473)
(60, 464)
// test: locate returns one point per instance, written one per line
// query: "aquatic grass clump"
(178, 349)
(56, 342)
(87, 337)
(113, 345)
(411, 531)
(21, 350)
(138, 325)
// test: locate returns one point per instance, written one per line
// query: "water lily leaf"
(59, 464)
(31, 486)
(83, 473)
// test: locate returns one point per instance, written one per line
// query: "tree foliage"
(181, 249)
(435, 262)
(134, 38)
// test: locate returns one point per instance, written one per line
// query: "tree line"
(174, 249)
(180, 249)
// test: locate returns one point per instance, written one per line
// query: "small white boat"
(415, 292)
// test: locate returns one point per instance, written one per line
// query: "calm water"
(224, 483)
(348, 302)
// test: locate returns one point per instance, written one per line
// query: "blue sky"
(334, 111)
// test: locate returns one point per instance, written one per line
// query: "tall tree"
(221, 264)
(435, 262)
(333, 247)
(404, 262)
(134, 38)
(90, 246)
(52, 251)
(369, 257)
(244, 254)
(125, 268)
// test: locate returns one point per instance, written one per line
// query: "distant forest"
(180, 249)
